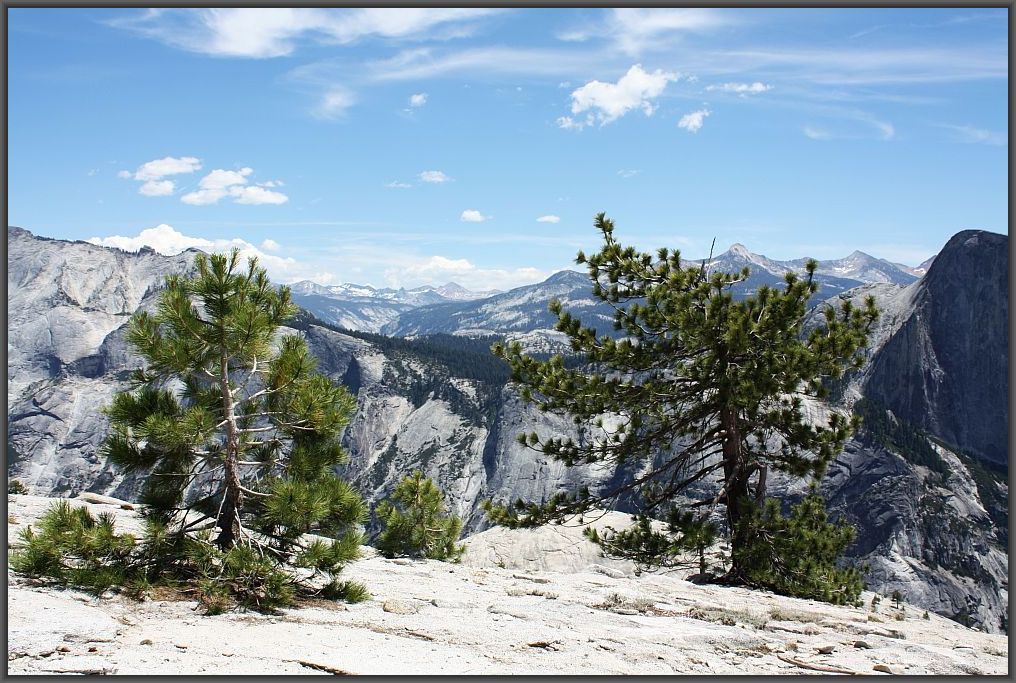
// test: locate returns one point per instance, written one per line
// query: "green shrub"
(415, 523)
(797, 555)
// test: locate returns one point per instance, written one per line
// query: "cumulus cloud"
(153, 173)
(159, 168)
(742, 88)
(473, 216)
(693, 122)
(550, 218)
(253, 194)
(157, 188)
(610, 101)
(434, 177)
(166, 240)
(221, 183)
(418, 100)
(440, 269)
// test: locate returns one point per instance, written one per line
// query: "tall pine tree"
(235, 431)
(701, 384)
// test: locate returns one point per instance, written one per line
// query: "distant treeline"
(465, 357)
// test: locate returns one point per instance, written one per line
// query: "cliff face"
(946, 369)
(933, 528)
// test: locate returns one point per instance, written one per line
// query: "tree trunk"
(735, 482)
(229, 522)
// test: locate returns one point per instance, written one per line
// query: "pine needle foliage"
(416, 524)
(695, 384)
(237, 436)
(798, 555)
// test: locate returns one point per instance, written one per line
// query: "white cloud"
(742, 88)
(418, 100)
(159, 168)
(167, 240)
(220, 179)
(473, 216)
(334, 103)
(628, 172)
(276, 31)
(637, 30)
(414, 271)
(221, 183)
(434, 177)
(270, 245)
(971, 134)
(203, 197)
(253, 194)
(610, 101)
(568, 123)
(549, 219)
(153, 174)
(693, 121)
(815, 133)
(157, 188)
(398, 185)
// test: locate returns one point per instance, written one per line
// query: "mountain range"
(925, 481)
(455, 310)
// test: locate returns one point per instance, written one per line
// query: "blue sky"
(404, 147)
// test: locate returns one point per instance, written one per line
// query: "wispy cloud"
(628, 172)
(741, 88)
(815, 133)
(637, 30)
(398, 185)
(261, 33)
(550, 218)
(974, 135)
(334, 103)
(863, 66)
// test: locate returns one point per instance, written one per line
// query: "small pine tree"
(797, 555)
(237, 435)
(415, 522)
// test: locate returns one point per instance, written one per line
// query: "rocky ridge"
(504, 616)
(416, 411)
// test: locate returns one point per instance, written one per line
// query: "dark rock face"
(947, 368)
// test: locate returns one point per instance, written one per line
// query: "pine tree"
(416, 523)
(237, 435)
(700, 383)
